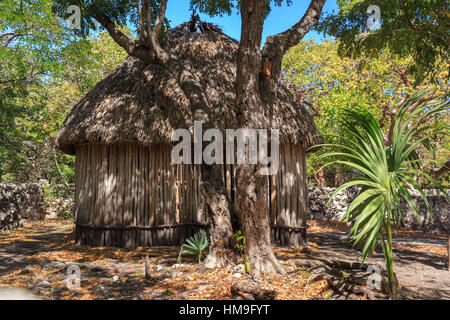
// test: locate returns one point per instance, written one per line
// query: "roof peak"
(195, 25)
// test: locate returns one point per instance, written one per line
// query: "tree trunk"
(220, 209)
(251, 187)
(320, 176)
(254, 218)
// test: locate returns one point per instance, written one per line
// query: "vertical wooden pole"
(168, 187)
(91, 182)
(279, 198)
(109, 185)
(103, 183)
(141, 188)
(184, 194)
(228, 179)
(448, 252)
(282, 181)
(305, 198)
(288, 181)
(299, 185)
(136, 194)
(177, 190)
(273, 199)
(97, 165)
(152, 165)
(173, 189)
(289, 189)
(122, 189)
(161, 185)
(189, 192)
(195, 192)
(79, 183)
(295, 185)
(103, 197)
(128, 186)
(145, 179)
(202, 211)
(157, 185)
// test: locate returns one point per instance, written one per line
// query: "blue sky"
(280, 19)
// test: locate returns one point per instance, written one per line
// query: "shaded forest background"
(46, 68)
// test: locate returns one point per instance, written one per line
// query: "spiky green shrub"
(195, 245)
(384, 174)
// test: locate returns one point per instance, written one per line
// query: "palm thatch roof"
(141, 102)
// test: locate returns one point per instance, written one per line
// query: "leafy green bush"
(239, 241)
(59, 199)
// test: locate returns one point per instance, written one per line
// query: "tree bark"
(221, 211)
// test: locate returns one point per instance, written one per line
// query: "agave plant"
(195, 245)
(384, 174)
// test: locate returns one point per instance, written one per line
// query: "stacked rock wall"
(19, 203)
(439, 223)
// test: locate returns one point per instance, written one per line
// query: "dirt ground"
(38, 256)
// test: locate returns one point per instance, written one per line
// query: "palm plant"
(195, 245)
(383, 173)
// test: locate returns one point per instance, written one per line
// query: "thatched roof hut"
(127, 191)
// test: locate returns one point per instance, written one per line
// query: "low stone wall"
(439, 223)
(19, 203)
(318, 198)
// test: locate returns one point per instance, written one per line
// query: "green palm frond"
(385, 174)
(195, 245)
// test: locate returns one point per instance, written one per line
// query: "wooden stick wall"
(131, 195)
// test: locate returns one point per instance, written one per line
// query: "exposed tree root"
(253, 288)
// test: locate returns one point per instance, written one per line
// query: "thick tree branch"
(436, 172)
(249, 58)
(142, 34)
(276, 46)
(118, 36)
(393, 115)
(7, 34)
(402, 76)
(148, 21)
(420, 102)
(300, 97)
(12, 36)
(160, 20)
